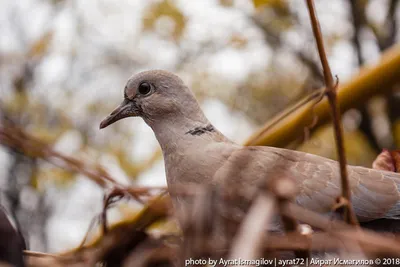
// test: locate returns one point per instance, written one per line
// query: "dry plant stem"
(16, 138)
(108, 200)
(91, 226)
(291, 226)
(331, 87)
(156, 209)
(248, 242)
(39, 254)
(285, 191)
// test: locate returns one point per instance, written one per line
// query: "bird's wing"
(375, 194)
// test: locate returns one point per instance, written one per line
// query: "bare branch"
(331, 87)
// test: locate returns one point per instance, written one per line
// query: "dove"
(195, 152)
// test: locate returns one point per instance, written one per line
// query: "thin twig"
(285, 192)
(358, 17)
(345, 199)
(248, 242)
(39, 254)
(92, 223)
(18, 139)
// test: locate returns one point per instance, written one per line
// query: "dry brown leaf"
(387, 161)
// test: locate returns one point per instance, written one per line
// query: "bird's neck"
(178, 132)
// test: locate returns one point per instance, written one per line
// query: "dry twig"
(285, 191)
(18, 139)
(248, 242)
(345, 200)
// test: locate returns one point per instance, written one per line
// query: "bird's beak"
(125, 109)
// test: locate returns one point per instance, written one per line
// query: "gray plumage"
(196, 152)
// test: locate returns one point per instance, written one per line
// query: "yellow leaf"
(40, 46)
(58, 177)
(226, 3)
(165, 8)
(272, 3)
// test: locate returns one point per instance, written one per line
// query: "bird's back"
(375, 193)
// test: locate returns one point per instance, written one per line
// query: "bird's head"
(153, 95)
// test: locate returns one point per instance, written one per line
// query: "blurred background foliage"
(63, 66)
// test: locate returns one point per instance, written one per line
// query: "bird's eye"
(144, 88)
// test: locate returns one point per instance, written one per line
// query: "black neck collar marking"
(201, 130)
